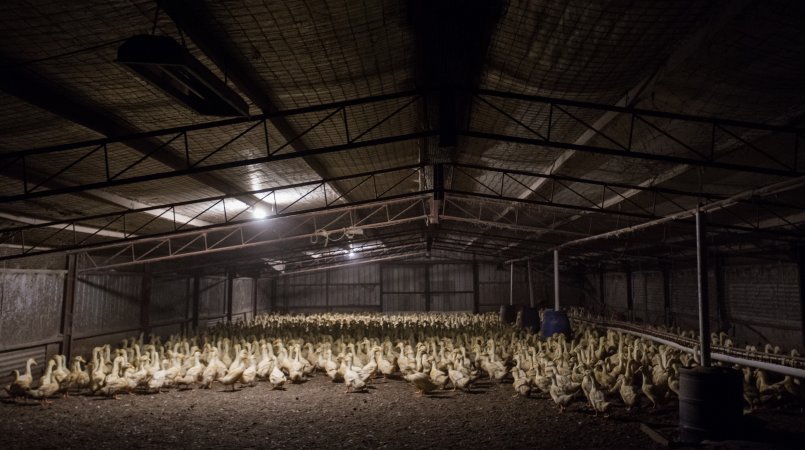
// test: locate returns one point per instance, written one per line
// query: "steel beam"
(75, 224)
(29, 88)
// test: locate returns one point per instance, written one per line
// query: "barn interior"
(383, 224)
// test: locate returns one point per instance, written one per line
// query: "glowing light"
(351, 253)
(259, 213)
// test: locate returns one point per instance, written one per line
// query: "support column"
(327, 290)
(427, 287)
(801, 267)
(724, 322)
(511, 285)
(272, 300)
(230, 281)
(476, 288)
(530, 284)
(704, 301)
(601, 291)
(629, 293)
(67, 308)
(254, 295)
(145, 304)
(196, 299)
(666, 294)
(556, 280)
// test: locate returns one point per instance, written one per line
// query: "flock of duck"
(431, 351)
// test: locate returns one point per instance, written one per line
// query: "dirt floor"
(320, 414)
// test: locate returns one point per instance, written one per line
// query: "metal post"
(530, 284)
(666, 294)
(145, 304)
(67, 307)
(704, 306)
(629, 293)
(427, 287)
(230, 279)
(196, 299)
(556, 280)
(801, 267)
(476, 288)
(254, 295)
(511, 285)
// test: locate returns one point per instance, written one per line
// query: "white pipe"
(785, 370)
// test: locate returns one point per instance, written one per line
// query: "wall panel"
(212, 297)
(170, 299)
(106, 303)
(30, 306)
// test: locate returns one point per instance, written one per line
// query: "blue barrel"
(530, 319)
(710, 404)
(508, 314)
(555, 322)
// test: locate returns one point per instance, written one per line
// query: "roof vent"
(163, 62)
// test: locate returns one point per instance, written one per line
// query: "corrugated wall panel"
(404, 278)
(212, 297)
(167, 330)
(30, 306)
(451, 302)
(242, 294)
(403, 302)
(362, 295)
(170, 299)
(307, 279)
(264, 294)
(450, 277)
(300, 297)
(365, 274)
(107, 302)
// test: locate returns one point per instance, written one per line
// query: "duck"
(629, 393)
(521, 384)
(352, 378)
(193, 374)
(438, 377)
(22, 382)
(47, 386)
(276, 378)
(648, 389)
(250, 373)
(422, 382)
(458, 379)
(559, 396)
(235, 375)
(78, 378)
(596, 397)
